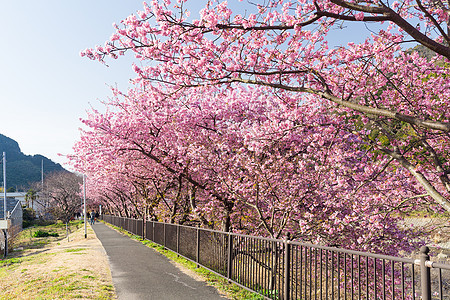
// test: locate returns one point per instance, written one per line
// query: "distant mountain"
(23, 170)
(423, 51)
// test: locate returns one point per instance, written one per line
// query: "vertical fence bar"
(367, 277)
(240, 260)
(345, 276)
(306, 273)
(296, 272)
(252, 266)
(229, 256)
(246, 262)
(359, 277)
(315, 274)
(352, 278)
(237, 261)
(164, 235)
(332, 275)
(287, 269)
(198, 247)
(235, 253)
(392, 280)
(321, 274)
(338, 275)
(403, 280)
(375, 278)
(425, 276)
(310, 273)
(413, 279)
(276, 266)
(301, 271)
(153, 231)
(178, 240)
(326, 273)
(264, 265)
(255, 264)
(383, 265)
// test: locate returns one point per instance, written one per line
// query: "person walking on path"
(92, 215)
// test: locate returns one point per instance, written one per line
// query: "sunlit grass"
(37, 270)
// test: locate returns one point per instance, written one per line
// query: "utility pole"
(5, 231)
(4, 185)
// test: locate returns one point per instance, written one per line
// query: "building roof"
(10, 204)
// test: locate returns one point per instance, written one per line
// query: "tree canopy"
(253, 120)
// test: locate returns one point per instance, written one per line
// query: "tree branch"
(445, 203)
(435, 125)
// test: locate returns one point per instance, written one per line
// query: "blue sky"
(45, 86)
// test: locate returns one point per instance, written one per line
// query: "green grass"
(428, 214)
(39, 236)
(232, 290)
(54, 283)
(105, 292)
(75, 250)
(10, 261)
(41, 233)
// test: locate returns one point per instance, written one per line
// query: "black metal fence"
(282, 269)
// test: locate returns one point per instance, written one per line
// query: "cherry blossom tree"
(395, 101)
(248, 161)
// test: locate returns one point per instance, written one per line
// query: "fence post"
(425, 277)
(198, 247)
(164, 232)
(178, 240)
(230, 255)
(287, 269)
(143, 227)
(153, 231)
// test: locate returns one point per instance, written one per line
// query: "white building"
(36, 205)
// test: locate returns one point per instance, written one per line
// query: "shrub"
(41, 233)
(29, 215)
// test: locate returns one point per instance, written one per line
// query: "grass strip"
(231, 290)
(45, 267)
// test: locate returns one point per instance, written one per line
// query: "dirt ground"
(438, 230)
(63, 269)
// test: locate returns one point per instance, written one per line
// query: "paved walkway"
(139, 272)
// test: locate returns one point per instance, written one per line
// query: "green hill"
(23, 170)
(423, 51)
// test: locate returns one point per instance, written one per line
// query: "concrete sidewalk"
(139, 272)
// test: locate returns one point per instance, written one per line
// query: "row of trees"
(252, 123)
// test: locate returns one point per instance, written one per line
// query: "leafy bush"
(41, 233)
(29, 215)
